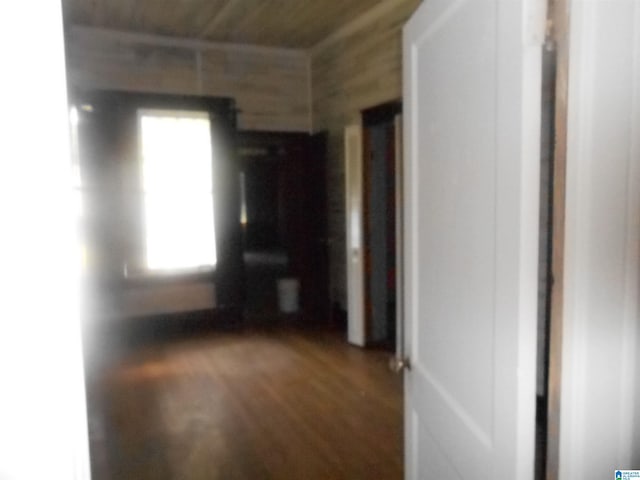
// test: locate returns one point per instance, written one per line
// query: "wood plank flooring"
(251, 404)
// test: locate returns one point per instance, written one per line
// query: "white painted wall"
(43, 428)
(600, 405)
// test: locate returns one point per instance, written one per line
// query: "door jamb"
(558, 34)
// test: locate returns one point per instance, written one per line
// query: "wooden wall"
(270, 85)
(325, 88)
(355, 68)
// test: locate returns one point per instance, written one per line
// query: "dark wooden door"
(316, 271)
(286, 205)
(379, 223)
(303, 193)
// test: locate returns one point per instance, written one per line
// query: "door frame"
(593, 326)
(557, 38)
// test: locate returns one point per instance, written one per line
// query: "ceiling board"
(283, 23)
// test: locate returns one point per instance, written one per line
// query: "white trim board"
(602, 257)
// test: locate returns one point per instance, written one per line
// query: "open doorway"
(380, 199)
(284, 224)
(545, 253)
(208, 376)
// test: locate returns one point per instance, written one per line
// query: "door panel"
(435, 463)
(472, 89)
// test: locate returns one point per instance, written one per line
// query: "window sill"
(154, 277)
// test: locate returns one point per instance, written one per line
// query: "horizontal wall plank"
(270, 86)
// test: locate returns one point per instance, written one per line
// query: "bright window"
(177, 188)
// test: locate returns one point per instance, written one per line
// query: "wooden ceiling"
(283, 23)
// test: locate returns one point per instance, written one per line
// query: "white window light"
(177, 184)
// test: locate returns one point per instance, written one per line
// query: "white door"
(472, 73)
(355, 265)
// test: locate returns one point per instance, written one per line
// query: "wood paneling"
(289, 23)
(358, 69)
(247, 405)
(270, 86)
(166, 298)
(355, 64)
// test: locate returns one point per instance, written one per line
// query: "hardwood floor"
(253, 404)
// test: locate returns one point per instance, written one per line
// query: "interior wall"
(276, 89)
(270, 85)
(355, 68)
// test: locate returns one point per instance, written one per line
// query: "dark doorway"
(545, 255)
(380, 155)
(283, 185)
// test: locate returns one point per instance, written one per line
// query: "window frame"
(120, 107)
(171, 113)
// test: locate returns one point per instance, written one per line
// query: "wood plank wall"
(270, 85)
(356, 68)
